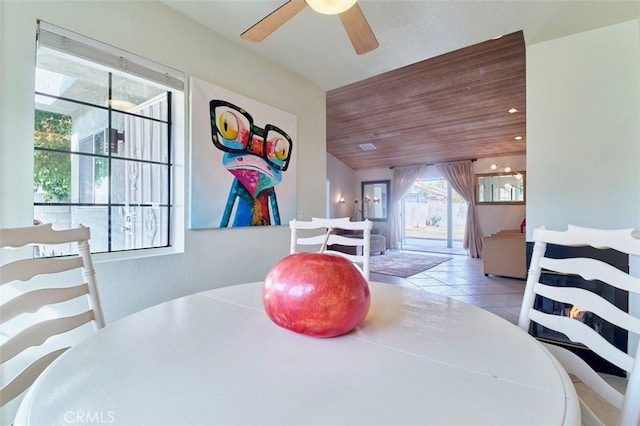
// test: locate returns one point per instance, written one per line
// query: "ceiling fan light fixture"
(330, 7)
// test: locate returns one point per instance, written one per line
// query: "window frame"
(171, 83)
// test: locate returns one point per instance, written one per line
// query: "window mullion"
(169, 167)
(110, 164)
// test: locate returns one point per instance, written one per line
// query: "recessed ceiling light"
(368, 147)
(518, 138)
(512, 110)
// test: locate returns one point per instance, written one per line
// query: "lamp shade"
(330, 7)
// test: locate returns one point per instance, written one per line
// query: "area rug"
(403, 264)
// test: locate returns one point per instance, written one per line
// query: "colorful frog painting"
(256, 157)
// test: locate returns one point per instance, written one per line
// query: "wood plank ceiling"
(451, 107)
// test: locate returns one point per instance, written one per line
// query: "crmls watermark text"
(89, 417)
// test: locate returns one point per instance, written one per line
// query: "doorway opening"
(434, 217)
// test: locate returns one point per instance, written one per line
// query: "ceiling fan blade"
(273, 21)
(358, 29)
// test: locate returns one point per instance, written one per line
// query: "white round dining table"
(215, 358)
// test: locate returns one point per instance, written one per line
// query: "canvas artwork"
(243, 168)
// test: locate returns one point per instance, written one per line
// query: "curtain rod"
(473, 160)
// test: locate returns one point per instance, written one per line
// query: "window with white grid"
(103, 141)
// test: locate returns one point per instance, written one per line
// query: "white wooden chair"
(314, 233)
(34, 296)
(601, 398)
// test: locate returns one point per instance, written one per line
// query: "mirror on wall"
(500, 188)
(375, 200)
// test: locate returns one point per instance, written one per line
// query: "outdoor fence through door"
(434, 216)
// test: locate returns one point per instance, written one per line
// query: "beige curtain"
(460, 176)
(403, 178)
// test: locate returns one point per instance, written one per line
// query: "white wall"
(583, 130)
(211, 258)
(342, 184)
(583, 133)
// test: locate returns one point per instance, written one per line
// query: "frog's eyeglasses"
(232, 130)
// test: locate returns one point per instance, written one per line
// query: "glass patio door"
(434, 216)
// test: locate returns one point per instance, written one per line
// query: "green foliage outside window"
(52, 171)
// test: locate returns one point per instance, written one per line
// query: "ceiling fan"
(354, 22)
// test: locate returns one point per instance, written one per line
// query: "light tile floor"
(462, 278)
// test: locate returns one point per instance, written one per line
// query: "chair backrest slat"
(31, 301)
(333, 239)
(587, 301)
(24, 270)
(42, 234)
(41, 331)
(592, 269)
(22, 381)
(623, 240)
(572, 363)
(581, 333)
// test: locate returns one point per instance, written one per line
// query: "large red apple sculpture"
(317, 294)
